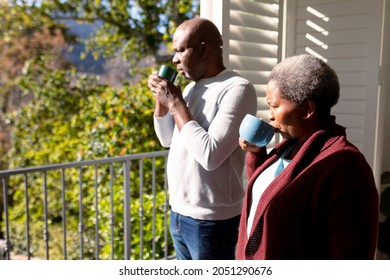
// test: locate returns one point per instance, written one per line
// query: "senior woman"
(313, 196)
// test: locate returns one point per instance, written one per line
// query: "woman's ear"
(309, 109)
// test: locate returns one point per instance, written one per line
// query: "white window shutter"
(347, 34)
(250, 31)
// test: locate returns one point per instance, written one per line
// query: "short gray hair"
(305, 77)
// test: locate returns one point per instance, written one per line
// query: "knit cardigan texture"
(324, 204)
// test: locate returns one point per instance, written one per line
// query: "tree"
(136, 29)
(68, 117)
(33, 38)
(29, 46)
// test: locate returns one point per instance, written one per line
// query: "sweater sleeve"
(254, 160)
(164, 127)
(213, 146)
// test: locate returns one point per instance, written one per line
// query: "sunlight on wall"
(319, 29)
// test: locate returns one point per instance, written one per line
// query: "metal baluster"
(7, 237)
(154, 207)
(112, 214)
(27, 216)
(141, 208)
(45, 216)
(81, 216)
(64, 213)
(96, 215)
(127, 213)
(166, 209)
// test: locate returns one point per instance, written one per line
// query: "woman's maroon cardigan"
(324, 205)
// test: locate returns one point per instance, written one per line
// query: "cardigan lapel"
(268, 193)
(316, 143)
(287, 175)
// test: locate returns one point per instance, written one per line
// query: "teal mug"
(256, 131)
(168, 73)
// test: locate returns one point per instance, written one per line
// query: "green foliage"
(72, 117)
(136, 29)
(75, 118)
(30, 44)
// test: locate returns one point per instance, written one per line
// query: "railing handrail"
(9, 172)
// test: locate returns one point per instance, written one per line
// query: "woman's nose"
(271, 115)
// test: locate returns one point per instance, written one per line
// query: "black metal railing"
(121, 206)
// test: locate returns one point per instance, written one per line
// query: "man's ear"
(204, 47)
(309, 109)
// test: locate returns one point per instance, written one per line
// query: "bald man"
(200, 126)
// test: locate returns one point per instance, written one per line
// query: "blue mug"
(256, 131)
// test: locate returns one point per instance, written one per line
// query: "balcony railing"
(80, 203)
